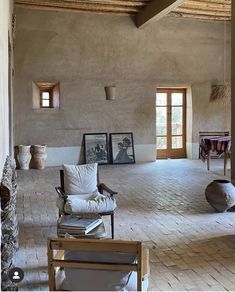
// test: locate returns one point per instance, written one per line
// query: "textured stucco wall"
(5, 23)
(86, 52)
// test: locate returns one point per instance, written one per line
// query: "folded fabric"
(93, 203)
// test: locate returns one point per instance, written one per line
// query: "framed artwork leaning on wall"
(96, 148)
(122, 148)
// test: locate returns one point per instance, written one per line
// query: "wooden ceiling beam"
(214, 1)
(206, 6)
(203, 11)
(135, 3)
(78, 3)
(218, 10)
(201, 17)
(81, 6)
(112, 2)
(156, 10)
(33, 7)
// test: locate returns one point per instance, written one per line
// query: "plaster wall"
(86, 52)
(5, 23)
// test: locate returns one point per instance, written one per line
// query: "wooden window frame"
(50, 99)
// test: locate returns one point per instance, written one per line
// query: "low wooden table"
(96, 233)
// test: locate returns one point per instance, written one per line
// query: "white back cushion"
(80, 179)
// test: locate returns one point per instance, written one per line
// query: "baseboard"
(57, 156)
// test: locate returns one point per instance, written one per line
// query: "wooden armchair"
(102, 188)
(89, 264)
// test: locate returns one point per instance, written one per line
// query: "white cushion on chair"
(94, 203)
(80, 179)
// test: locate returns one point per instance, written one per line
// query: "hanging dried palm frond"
(221, 94)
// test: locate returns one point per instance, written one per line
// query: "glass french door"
(171, 123)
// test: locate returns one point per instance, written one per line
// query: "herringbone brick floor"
(162, 203)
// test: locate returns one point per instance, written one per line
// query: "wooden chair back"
(57, 246)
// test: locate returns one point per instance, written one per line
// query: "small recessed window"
(46, 99)
(46, 95)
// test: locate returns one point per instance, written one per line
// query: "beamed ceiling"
(202, 9)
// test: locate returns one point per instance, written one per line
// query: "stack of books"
(77, 226)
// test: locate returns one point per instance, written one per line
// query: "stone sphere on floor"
(220, 194)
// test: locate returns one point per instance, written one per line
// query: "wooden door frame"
(169, 152)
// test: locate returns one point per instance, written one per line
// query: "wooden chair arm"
(61, 193)
(102, 187)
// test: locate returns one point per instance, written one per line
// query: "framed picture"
(122, 148)
(96, 148)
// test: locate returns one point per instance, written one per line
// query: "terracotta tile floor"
(162, 203)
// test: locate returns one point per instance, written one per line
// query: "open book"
(81, 225)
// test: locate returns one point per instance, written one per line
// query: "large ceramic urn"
(39, 156)
(220, 194)
(24, 156)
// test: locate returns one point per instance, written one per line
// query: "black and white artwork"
(96, 148)
(122, 148)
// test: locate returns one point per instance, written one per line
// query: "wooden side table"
(96, 233)
(218, 144)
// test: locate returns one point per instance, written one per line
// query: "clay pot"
(220, 194)
(39, 156)
(24, 156)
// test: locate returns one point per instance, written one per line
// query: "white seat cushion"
(73, 283)
(93, 203)
(96, 280)
(80, 179)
